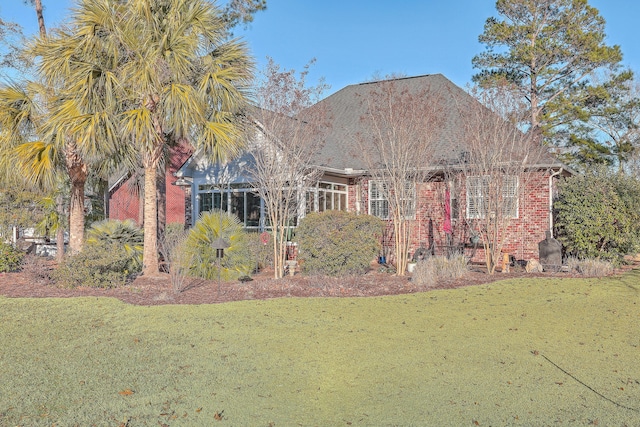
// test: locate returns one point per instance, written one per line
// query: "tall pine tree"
(547, 50)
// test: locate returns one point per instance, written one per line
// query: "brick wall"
(123, 204)
(522, 234)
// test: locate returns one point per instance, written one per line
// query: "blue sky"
(353, 40)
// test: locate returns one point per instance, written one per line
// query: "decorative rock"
(533, 266)
(632, 258)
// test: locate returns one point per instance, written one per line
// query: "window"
(235, 199)
(510, 196)
(327, 196)
(453, 199)
(379, 205)
(479, 191)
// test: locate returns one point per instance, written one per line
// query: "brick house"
(125, 203)
(346, 185)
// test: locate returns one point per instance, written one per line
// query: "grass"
(473, 356)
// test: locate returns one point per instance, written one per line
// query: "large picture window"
(480, 193)
(236, 199)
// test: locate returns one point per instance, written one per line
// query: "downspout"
(553, 174)
(358, 198)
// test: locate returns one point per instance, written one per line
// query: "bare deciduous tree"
(40, 15)
(498, 165)
(398, 146)
(11, 44)
(290, 137)
(176, 259)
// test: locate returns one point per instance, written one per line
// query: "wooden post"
(505, 262)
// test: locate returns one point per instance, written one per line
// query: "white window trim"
(379, 199)
(383, 200)
(477, 213)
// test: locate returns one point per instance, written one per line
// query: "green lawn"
(474, 356)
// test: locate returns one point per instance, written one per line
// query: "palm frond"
(220, 140)
(139, 124)
(39, 162)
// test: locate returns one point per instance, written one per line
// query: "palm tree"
(137, 75)
(178, 78)
(78, 71)
(63, 122)
(35, 141)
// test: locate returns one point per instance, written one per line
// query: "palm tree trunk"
(162, 201)
(77, 171)
(150, 255)
(141, 208)
(76, 216)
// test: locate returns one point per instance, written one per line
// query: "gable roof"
(346, 110)
(342, 151)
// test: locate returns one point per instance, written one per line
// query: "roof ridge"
(394, 79)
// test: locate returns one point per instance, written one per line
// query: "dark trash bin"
(550, 253)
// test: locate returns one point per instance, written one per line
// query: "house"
(125, 200)
(444, 205)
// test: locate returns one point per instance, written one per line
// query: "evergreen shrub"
(336, 243)
(598, 215)
(99, 265)
(10, 258)
(237, 260)
(125, 235)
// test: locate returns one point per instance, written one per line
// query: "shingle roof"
(346, 109)
(341, 149)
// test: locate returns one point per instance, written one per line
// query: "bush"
(236, 262)
(338, 243)
(598, 215)
(261, 254)
(99, 265)
(592, 267)
(175, 259)
(38, 269)
(10, 258)
(123, 234)
(432, 270)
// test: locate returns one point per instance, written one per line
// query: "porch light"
(220, 245)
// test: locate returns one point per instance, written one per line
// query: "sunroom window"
(237, 199)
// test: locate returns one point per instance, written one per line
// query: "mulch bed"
(159, 290)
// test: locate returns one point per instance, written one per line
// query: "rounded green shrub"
(236, 261)
(338, 243)
(10, 258)
(99, 265)
(598, 215)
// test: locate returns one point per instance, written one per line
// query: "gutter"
(343, 172)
